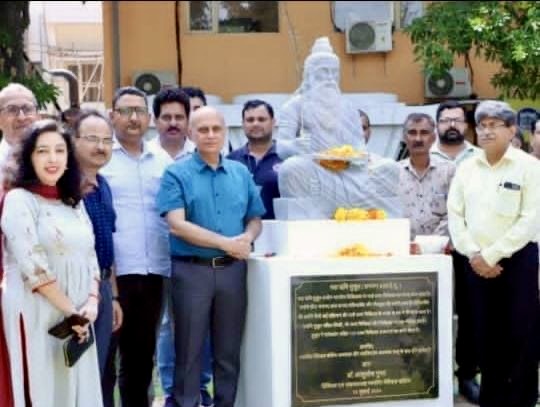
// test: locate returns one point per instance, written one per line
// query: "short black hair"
(171, 95)
(69, 184)
(255, 103)
(72, 111)
(449, 104)
(85, 114)
(195, 92)
(128, 90)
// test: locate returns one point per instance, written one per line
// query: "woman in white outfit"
(51, 272)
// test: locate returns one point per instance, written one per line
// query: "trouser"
(140, 299)
(166, 356)
(108, 380)
(103, 331)
(203, 296)
(506, 311)
(466, 355)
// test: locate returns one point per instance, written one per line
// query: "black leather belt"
(106, 273)
(214, 262)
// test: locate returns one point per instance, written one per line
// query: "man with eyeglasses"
(494, 218)
(18, 110)
(93, 140)
(451, 127)
(213, 209)
(259, 153)
(424, 183)
(453, 147)
(17, 113)
(141, 244)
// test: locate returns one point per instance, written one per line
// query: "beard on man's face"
(452, 136)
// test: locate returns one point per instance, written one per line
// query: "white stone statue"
(318, 118)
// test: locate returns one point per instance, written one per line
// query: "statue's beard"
(322, 109)
(326, 95)
(452, 136)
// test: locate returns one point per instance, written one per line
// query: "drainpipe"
(117, 80)
(73, 85)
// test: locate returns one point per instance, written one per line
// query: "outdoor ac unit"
(454, 83)
(367, 36)
(151, 82)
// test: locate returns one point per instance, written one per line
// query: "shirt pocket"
(438, 204)
(507, 202)
(238, 205)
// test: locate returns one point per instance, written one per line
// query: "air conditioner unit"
(151, 82)
(454, 83)
(367, 36)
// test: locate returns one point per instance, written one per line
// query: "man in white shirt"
(494, 218)
(141, 243)
(18, 110)
(451, 127)
(451, 146)
(171, 112)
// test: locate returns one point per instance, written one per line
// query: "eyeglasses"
(481, 128)
(109, 141)
(168, 117)
(450, 120)
(128, 111)
(14, 110)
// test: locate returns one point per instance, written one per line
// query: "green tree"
(14, 20)
(504, 32)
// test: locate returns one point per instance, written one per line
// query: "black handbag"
(73, 350)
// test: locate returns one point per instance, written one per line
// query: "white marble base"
(265, 379)
(321, 238)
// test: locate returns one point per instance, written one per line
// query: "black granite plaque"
(364, 338)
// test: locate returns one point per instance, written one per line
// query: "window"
(408, 11)
(233, 16)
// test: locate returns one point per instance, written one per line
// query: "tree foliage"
(504, 32)
(14, 20)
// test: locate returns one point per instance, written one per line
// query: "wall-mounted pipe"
(117, 73)
(72, 82)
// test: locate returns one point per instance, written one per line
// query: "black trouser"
(202, 297)
(506, 311)
(140, 297)
(466, 355)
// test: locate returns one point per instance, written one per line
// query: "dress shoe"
(470, 389)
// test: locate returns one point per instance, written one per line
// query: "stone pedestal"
(329, 331)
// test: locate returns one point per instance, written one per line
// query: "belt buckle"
(215, 265)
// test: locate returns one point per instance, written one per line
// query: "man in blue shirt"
(213, 210)
(93, 142)
(259, 154)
